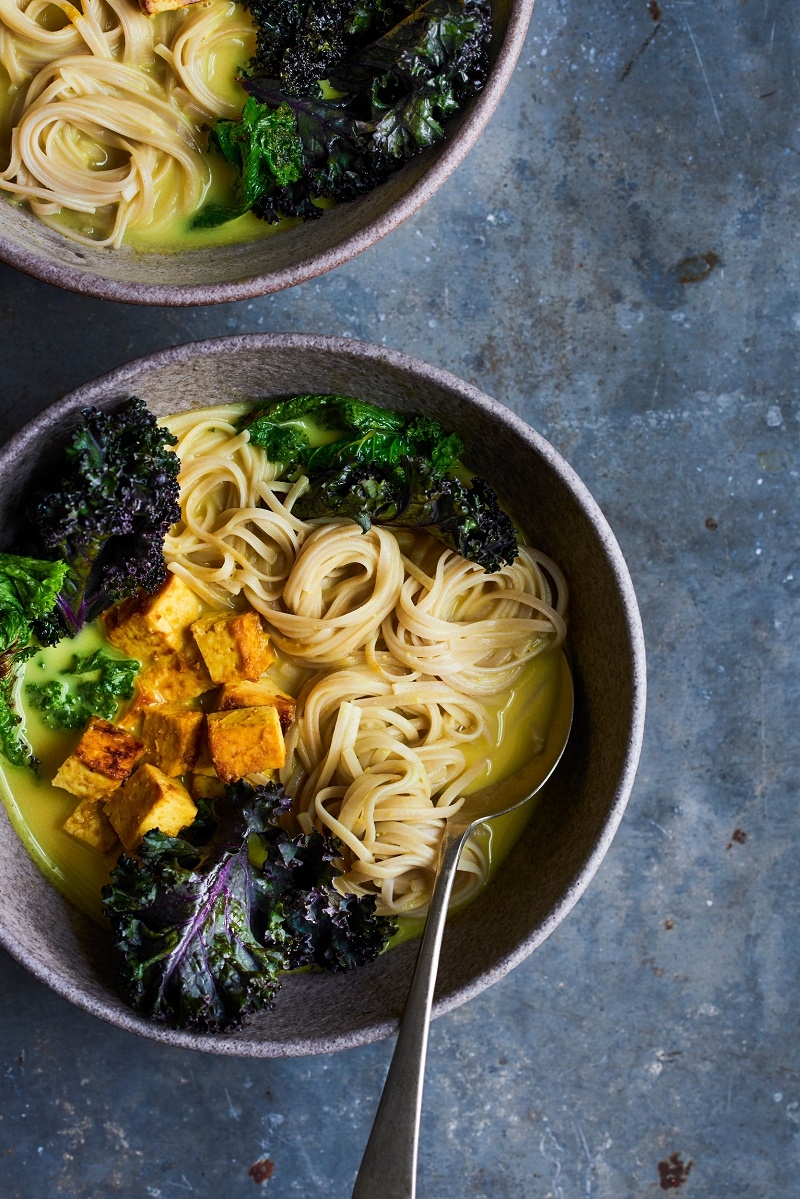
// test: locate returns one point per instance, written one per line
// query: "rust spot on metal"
(673, 1173)
(739, 836)
(638, 53)
(696, 267)
(654, 10)
(262, 1170)
(711, 524)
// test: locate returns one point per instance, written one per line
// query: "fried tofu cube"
(102, 759)
(151, 7)
(89, 823)
(234, 645)
(260, 694)
(149, 799)
(176, 676)
(173, 735)
(245, 741)
(148, 625)
(204, 764)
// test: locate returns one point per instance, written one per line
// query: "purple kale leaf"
(206, 921)
(116, 498)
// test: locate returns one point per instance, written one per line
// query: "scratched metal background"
(616, 261)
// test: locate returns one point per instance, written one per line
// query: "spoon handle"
(389, 1166)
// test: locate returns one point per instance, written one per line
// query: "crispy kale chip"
(100, 683)
(207, 920)
(298, 40)
(414, 494)
(366, 434)
(277, 23)
(28, 592)
(116, 498)
(384, 101)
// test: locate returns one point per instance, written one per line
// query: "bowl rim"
(365, 352)
(452, 153)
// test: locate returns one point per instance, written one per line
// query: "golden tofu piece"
(89, 823)
(234, 645)
(104, 756)
(149, 799)
(263, 693)
(245, 741)
(204, 765)
(148, 625)
(173, 735)
(206, 786)
(151, 7)
(176, 676)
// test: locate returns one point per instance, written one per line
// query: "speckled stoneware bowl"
(213, 275)
(582, 804)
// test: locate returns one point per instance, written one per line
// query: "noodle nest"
(398, 647)
(108, 106)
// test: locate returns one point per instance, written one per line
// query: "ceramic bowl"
(213, 275)
(579, 811)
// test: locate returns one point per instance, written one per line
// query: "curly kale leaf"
(414, 494)
(418, 74)
(116, 499)
(12, 744)
(320, 43)
(367, 434)
(28, 591)
(207, 920)
(384, 468)
(297, 40)
(276, 23)
(325, 928)
(393, 97)
(101, 684)
(199, 937)
(267, 153)
(337, 158)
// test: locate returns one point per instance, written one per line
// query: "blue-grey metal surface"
(617, 262)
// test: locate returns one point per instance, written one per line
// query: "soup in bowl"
(205, 153)
(372, 698)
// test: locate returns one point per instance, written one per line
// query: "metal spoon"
(389, 1166)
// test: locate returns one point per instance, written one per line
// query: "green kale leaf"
(101, 684)
(265, 148)
(368, 434)
(116, 498)
(206, 921)
(383, 467)
(28, 591)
